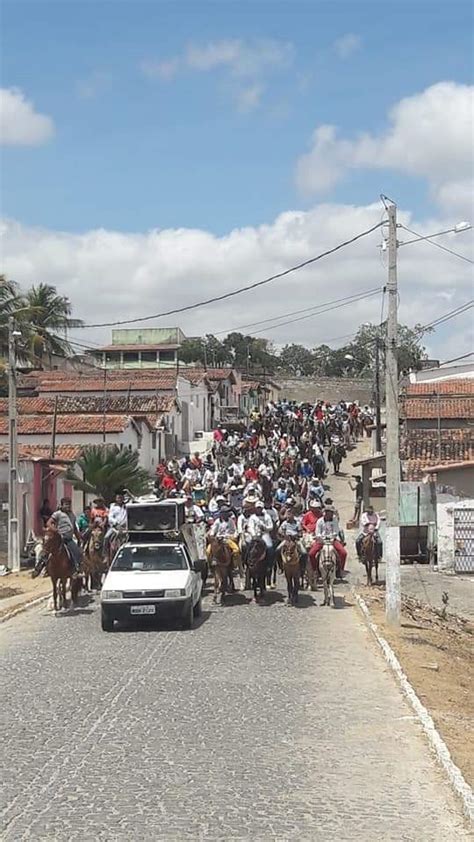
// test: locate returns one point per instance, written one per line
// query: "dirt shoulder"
(437, 656)
(17, 589)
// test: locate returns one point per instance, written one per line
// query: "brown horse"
(59, 568)
(256, 561)
(220, 557)
(93, 564)
(369, 556)
(290, 559)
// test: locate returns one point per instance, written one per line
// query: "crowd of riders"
(266, 480)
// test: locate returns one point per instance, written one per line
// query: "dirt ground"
(18, 588)
(437, 655)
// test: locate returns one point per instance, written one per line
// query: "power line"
(446, 317)
(296, 312)
(418, 238)
(240, 290)
(456, 359)
(428, 239)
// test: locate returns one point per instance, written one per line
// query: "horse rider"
(306, 472)
(192, 512)
(64, 521)
(99, 511)
(282, 493)
(225, 528)
(328, 527)
(311, 517)
(358, 489)
(370, 521)
(117, 520)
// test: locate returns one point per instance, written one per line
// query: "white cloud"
(250, 97)
(245, 64)
(430, 135)
(112, 275)
(347, 45)
(20, 124)
(164, 70)
(93, 85)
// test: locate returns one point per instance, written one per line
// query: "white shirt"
(193, 513)
(117, 515)
(260, 526)
(223, 528)
(366, 520)
(327, 528)
(243, 525)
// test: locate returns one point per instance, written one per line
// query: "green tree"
(49, 318)
(251, 352)
(298, 360)
(104, 471)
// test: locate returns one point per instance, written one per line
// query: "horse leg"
(55, 593)
(332, 600)
(63, 593)
(295, 590)
(376, 570)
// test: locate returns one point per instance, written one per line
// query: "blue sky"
(142, 152)
(156, 152)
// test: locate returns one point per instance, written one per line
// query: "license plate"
(142, 609)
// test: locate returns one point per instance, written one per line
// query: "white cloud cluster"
(20, 124)
(347, 45)
(430, 134)
(246, 63)
(111, 275)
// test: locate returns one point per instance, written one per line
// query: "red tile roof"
(132, 404)
(123, 381)
(461, 386)
(420, 449)
(66, 452)
(412, 408)
(65, 424)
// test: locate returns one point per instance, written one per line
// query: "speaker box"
(155, 517)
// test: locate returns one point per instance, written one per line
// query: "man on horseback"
(328, 527)
(63, 521)
(225, 529)
(370, 521)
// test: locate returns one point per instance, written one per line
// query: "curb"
(456, 778)
(30, 604)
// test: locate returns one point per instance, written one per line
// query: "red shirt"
(168, 483)
(251, 474)
(310, 520)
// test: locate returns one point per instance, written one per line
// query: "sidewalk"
(17, 589)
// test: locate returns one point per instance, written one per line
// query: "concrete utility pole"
(392, 538)
(378, 420)
(13, 557)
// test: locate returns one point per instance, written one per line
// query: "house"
(421, 449)
(454, 477)
(124, 431)
(436, 374)
(40, 477)
(225, 387)
(446, 404)
(140, 348)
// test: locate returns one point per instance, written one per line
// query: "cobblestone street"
(262, 723)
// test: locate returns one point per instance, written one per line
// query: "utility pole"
(53, 433)
(378, 422)
(13, 558)
(392, 537)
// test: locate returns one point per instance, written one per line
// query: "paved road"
(263, 723)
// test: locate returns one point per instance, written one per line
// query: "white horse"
(327, 570)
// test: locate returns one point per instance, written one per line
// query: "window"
(130, 356)
(112, 357)
(153, 441)
(148, 356)
(144, 559)
(197, 401)
(167, 356)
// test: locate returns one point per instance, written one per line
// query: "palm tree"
(50, 318)
(10, 302)
(108, 470)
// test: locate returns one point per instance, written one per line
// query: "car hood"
(137, 580)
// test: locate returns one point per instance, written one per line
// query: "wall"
(431, 424)
(461, 480)
(197, 399)
(147, 336)
(331, 389)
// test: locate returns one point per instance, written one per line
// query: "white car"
(152, 579)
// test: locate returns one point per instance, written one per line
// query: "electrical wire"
(240, 290)
(436, 234)
(446, 317)
(438, 245)
(296, 312)
(456, 359)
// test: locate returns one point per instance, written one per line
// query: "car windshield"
(150, 558)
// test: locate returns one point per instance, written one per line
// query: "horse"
(311, 575)
(256, 562)
(60, 569)
(93, 564)
(327, 570)
(116, 540)
(221, 563)
(290, 559)
(336, 455)
(369, 556)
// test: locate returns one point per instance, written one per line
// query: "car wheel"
(106, 621)
(188, 616)
(198, 608)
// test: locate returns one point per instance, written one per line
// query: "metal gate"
(464, 540)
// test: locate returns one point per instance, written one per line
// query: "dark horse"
(290, 559)
(60, 569)
(256, 562)
(336, 455)
(369, 556)
(220, 556)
